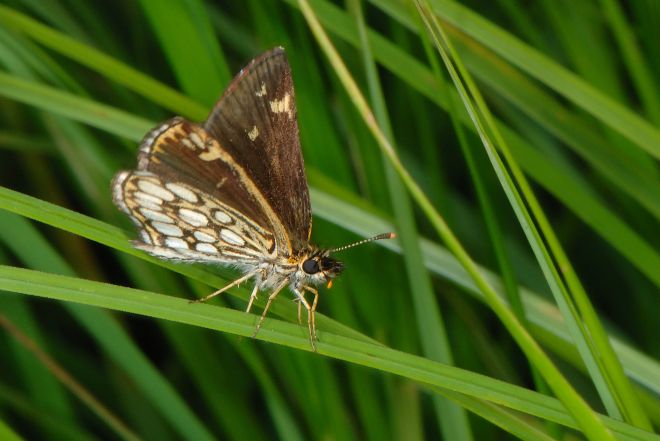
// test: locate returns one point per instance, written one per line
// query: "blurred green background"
(573, 86)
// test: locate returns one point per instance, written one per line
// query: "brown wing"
(255, 122)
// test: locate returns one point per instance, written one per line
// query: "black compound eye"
(311, 266)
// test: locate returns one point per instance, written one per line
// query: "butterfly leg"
(310, 320)
(311, 311)
(253, 296)
(271, 297)
(225, 288)
(297, 299)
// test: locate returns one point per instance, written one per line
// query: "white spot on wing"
(206, 248)
(262, 91)
(187, 143)
(156, 215)
(230, 237)
(252, 134)
(212, 153)
(146, 199)
(175, 242)
(118, 190)
(167, 229)
(148, 141)
(194, 137)
(194, 218)
(281, 106)
(204, 237)
(155, 190)
(182, 192)
(144, 236)
(222, 217)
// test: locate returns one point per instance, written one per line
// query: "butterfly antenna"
(363, 241)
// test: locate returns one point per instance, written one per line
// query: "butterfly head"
(320, 267)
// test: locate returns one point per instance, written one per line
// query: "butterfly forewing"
(255, 122)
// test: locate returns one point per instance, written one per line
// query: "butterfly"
(233, 191)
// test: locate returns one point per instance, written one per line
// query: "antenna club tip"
(391, 235)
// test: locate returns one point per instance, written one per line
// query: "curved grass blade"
(70, 289)
(104, 64)
(559, 79)
(108, 334)
(69, 381)
(452, 419)
(7, 433)
(587, 420)
(136, 133)
(193, 51)
(603, 365)
(541, 313)
(641, 368)
(547, 171)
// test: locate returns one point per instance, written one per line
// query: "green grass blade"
(602, 363)
(108, 61)
(66, 379)
(501, 417)
(114, 237)
(613, 114)
(431, 329)
(134, 301)
(590, 209)
(588, 421)
(7, 433)
(541, 313)
(110, 335)
(639, 70)
(546, 170)
(71, 106)
(108, 66)
(186, 36)
(45, 391)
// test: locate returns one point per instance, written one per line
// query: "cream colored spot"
(148, 202)
(144, 198)
(167, 229)
(204, 237)
(194, 218)
(175, 242)
(155, 190)
(156, 216)
(283, 105)
(212, 154)
(186, 142)
(252, 134)
(194, 137)
(182, 192)
(222, 217)
(232, 238)
(206, 248)
(145, 237)
(262, 91)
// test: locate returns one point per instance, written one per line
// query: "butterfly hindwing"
(177, 221)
